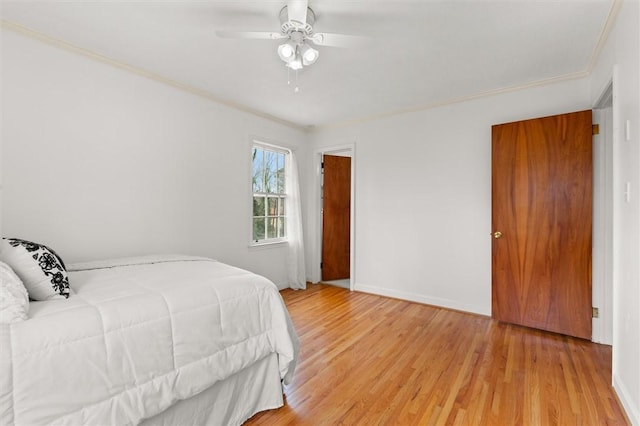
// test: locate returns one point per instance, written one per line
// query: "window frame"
(281, 196)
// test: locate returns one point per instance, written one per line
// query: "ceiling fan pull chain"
(297, 89)
(288, 76)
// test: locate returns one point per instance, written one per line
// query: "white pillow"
(40, 268)
(14, 300)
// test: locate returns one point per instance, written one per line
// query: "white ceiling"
(422, 52)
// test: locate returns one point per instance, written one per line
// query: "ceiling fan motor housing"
(290, 26)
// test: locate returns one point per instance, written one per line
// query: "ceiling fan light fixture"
(295, 64)
(309, 54)
(287, 51)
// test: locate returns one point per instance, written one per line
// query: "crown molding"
(604, 34)
(452, 101)
(595, 54)
(21, 29)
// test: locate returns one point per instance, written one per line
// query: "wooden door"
(542, 206)
(336, 218)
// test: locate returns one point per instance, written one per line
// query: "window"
(269, 196)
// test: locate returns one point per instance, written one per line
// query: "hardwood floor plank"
(372, 360)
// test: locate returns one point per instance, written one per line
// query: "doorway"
(335, 247)
(603, 218)
(336, 214)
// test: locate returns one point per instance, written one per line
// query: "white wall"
(98, 162)
(619, 61)
(423, 194)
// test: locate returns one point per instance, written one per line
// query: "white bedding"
(134, 339)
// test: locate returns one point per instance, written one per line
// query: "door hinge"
(320, 265)
(595, 129)
(322, 165)
(595, 313)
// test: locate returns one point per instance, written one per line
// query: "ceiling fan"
(297, 20)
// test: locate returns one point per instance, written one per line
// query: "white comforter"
(134, 339)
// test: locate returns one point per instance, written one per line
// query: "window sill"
(267, 245)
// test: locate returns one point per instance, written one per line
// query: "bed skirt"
(231, 401)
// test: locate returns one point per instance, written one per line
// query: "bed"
(150, 340)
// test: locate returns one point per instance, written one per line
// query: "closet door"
(542, 219)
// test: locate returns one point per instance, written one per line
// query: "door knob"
(497, 235)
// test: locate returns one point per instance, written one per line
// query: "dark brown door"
(541, 217)
(336, 218)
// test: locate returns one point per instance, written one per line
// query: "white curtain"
(296, 274)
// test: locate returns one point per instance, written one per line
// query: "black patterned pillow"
(40, 268)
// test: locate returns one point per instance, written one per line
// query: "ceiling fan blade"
(297, 10)
(264, 35)
(339, 40)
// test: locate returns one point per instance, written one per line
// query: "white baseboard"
(419, 298)
(630, 406)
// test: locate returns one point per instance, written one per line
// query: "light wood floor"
(372, 360)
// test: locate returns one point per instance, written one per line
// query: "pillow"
(14, 300)
(40, 268)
